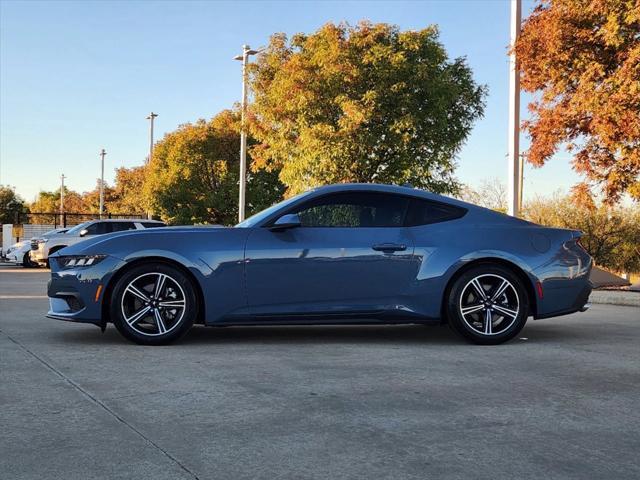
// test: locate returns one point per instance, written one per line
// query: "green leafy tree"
(91, 199)
(49, 202)
(362, 104)
(195, 170)
(128, 191)
(10, 205)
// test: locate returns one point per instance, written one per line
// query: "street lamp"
(244, 58)
(62, 222)
(151, 117)
(102, 154)
(515, 162)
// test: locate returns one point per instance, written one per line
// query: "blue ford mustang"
(333, 255)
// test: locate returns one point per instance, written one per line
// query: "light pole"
(62, 222)
(514, 190)
(151, 117)
(246, 51)
(102, 154)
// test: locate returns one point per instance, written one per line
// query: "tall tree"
(49, 202)
(582, 58)
(128, 191)
(91, 199)
(362, 104)
(10, 204)
(195, 171)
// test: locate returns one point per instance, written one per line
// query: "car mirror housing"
(83, 232)
(291, 220)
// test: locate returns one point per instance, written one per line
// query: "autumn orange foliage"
(582, 59)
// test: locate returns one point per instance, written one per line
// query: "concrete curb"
(615, 297)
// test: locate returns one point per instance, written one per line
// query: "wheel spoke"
(472, 308)
(488, 322)
(135, 291)
(500, 290)
(506, 311)
(172, 304)
(159, 284)
(478, 287)
(137, 316)
(160, 322)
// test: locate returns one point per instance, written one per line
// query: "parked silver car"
(19, 253)
(41, 248)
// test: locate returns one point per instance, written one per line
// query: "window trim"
(462, 211)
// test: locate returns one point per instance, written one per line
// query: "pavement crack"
(101, 404)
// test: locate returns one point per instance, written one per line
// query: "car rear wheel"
(153, 304)
(488, 305)
(26, 261)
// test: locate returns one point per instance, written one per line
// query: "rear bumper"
(565, 300)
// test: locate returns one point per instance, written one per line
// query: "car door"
(351, 254)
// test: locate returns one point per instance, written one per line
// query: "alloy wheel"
(153, 304)
(489, 304)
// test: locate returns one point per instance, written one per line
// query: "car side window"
(355, 209)
(152, 224)
(424, 212)
(122, 226)
(98, 228)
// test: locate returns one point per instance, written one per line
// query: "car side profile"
(44, 246)
(341, 254)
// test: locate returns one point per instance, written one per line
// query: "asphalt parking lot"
(316, 402)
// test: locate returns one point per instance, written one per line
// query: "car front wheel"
(488, 305)
(153, 304)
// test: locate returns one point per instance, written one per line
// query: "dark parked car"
(334, 255)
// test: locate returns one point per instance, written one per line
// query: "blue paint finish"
(254, 274)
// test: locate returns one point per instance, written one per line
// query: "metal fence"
(68, 219)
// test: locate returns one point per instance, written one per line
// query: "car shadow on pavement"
(330, 334)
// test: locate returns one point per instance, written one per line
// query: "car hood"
(143, 238)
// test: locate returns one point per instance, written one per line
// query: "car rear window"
(424, 212)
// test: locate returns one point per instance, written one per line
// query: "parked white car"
(41, 248)
(19, 253)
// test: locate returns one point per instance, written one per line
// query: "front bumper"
(76, 294)
(38, 256)
(13, 258)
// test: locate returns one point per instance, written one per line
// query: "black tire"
(26, 261)
(468, 310)
(125, 305)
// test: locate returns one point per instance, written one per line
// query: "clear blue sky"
(79, 76)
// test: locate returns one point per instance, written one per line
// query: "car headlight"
(69, 261)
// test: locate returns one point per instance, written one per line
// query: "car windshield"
(78, 228)
(258, 217)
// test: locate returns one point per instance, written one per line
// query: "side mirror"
(83, 232)
(291, 220)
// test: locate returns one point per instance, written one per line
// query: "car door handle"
(389, 247)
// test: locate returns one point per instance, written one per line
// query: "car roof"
(126, 220)
(396, 189)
